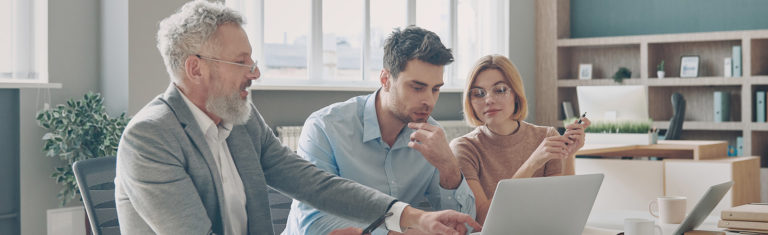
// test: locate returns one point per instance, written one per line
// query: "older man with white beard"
(198, 158)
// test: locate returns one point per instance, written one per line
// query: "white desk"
(612, 222)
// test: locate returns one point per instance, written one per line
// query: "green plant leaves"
(79, 130)
(616, 126)
(621, 74)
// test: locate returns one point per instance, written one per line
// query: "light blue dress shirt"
(344, 139)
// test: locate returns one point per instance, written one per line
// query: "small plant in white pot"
(619, 132)
(660, 70)
(77, 130)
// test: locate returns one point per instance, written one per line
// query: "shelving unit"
(559, 56)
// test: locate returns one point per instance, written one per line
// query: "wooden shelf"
(558, 58)
(755, 126)
(758, 80)
(664, 82)
(701, 81)
(713, 126)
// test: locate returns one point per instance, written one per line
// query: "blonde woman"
(502, 145)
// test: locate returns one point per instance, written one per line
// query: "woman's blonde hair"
(512, 78)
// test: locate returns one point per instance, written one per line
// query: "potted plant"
(660, 70)
(621, 74)
(619, 132)
(77, 130)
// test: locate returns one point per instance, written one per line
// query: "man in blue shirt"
(387, 140)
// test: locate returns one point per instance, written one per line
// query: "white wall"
(147, 71)
(73, 59)
(522, 47)
(133, 72)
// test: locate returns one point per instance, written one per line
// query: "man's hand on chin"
(430, 141)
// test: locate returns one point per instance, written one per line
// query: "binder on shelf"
(760, 106)
(722, 106)
(740, 146)
(747, 212)
(727, 67)
(736, 61)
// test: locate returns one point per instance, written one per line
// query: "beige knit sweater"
(488, 158)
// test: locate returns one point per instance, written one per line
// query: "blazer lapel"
(248, 164)
(174, 100)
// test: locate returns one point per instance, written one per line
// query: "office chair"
(678, 116)
(279, 206)
(95, 178)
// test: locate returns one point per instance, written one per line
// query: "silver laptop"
(708, 202)
(544, 205)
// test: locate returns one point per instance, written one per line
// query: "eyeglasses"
(500, 90)
(252, 67)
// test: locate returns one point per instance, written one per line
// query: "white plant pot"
(66, 221)
(660, 74)
(620, 138)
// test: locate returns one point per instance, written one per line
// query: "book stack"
(745, 218)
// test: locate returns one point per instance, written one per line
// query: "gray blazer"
(167, 181)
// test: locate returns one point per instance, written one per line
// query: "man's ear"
(385, 79)
(192, 69)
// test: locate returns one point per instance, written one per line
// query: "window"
(478, 33)
(285, 40)
(23, 41)
(387, 16)
(339, 43)
(342, 40)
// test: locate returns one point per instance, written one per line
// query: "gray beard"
(230, 108)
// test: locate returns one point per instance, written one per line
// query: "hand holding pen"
(575, 133)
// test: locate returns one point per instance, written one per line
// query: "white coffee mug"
(669, 210)
(634, 226)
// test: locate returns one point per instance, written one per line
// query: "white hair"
(187, 31)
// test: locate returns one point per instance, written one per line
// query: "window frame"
(38, 33)
(454, 81)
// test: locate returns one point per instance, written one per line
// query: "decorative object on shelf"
(568, 109)
(739, 146)
(660, 69)
(689, 66)
(632, 132)
(727, 67)
(722, 106)
(621, 74)
(736, 61)
(585, 71)
(77, 131)
(678, 116)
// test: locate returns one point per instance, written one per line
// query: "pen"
(583, 115)
(376, 223)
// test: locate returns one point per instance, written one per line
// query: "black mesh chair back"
(95, 178)
(678, 116)
(279, 207)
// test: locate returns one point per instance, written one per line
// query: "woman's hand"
(553, 147)
(575, 133)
